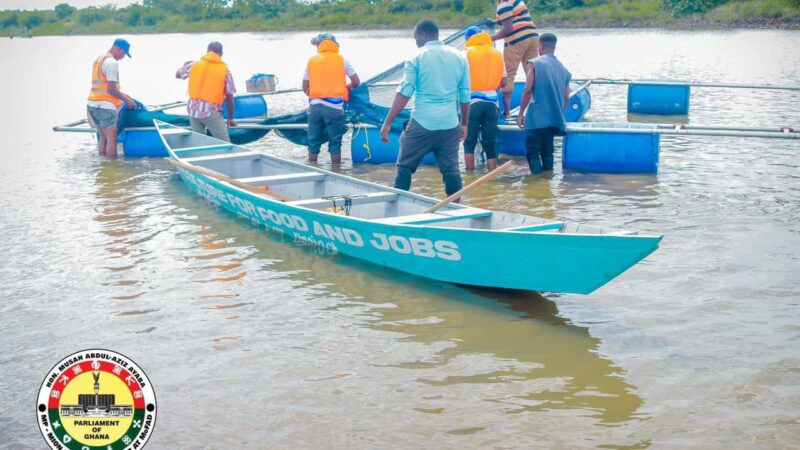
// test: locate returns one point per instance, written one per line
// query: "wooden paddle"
(475, 184)
(249, 187)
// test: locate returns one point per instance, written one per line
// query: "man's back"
(438, 77)
(549, 92)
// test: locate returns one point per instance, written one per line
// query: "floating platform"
(612, 151)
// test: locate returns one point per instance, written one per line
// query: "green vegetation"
(155, 16)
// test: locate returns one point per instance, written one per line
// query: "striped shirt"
(523, 26)
(200, 109)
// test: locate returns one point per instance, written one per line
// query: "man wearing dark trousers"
(547, 81)
(438, 78)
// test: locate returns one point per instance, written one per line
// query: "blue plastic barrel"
(578, 106)
(611, 152)
(659, 100)
(367, 147)
(247, 106)
(142, 143)
(513, 142)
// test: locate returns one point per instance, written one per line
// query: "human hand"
(385, 132)
(463, 132)
(231, 122)
(130, 103)
(521, 121)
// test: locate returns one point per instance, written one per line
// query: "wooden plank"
(356, 199)
(287, 178)
(537, 227)
(224, 157)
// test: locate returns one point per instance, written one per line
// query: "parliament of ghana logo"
(96, 400)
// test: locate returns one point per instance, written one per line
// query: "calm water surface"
(251, 342)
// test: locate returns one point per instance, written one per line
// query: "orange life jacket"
(485, 63)
(207, 79)
(326, 75)
(99, 90)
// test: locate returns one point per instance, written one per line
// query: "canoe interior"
(320, 189)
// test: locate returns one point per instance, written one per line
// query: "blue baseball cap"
(316, 40)
(124, 45)
(472, 31)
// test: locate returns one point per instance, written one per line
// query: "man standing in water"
(547, 80)
(521, 42)
(325, 83)
(487, 74)
(106, 99)
(210, 83)
(438, 78)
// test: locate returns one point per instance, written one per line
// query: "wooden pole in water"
(474, 185)
(218, 176)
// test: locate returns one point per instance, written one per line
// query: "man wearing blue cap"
(487, 74)
(106, 99)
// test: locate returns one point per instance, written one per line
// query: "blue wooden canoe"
(457, 244)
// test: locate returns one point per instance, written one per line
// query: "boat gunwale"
(400, 193)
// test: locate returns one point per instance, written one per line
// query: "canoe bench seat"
(286, 178)
(204, 148)
(537, 227)
(175, 132)
(238, 156)
(443, 216)
(355, 200)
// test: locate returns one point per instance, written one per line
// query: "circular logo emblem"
(96, 400)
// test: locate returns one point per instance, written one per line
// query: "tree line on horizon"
(231, 15)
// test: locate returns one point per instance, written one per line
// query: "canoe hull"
(557, 262)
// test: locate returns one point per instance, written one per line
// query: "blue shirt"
(549, 89)
(438, 78)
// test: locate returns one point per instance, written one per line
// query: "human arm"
(404, 93)
(399, 103)
(527, 93)
(506, 29)
(354, 82)
(505, 18)
(305, 86)
(230, 90)
(566, 98)
(183, 72)
(113, 90)
(464, 96)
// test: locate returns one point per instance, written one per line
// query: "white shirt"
(336, 103)
(111, 69)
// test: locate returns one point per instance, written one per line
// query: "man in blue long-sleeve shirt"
(438, 78)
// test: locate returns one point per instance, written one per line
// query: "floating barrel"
(142, 143)
(611, 152)
(513, 142)
(367, 147)
(672, 100)
(146, 143)
(247, 106)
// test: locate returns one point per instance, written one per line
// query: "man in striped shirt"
(521, 42)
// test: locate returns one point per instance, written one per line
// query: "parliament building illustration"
(96, 405)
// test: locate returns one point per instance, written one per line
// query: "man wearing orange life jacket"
(210, 83)
(106, 99)
(326, 85)
(487, 74)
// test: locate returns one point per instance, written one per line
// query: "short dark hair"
(215, 47)
(548, 39)
(428, 27)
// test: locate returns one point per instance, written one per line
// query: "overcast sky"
(50, 4)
